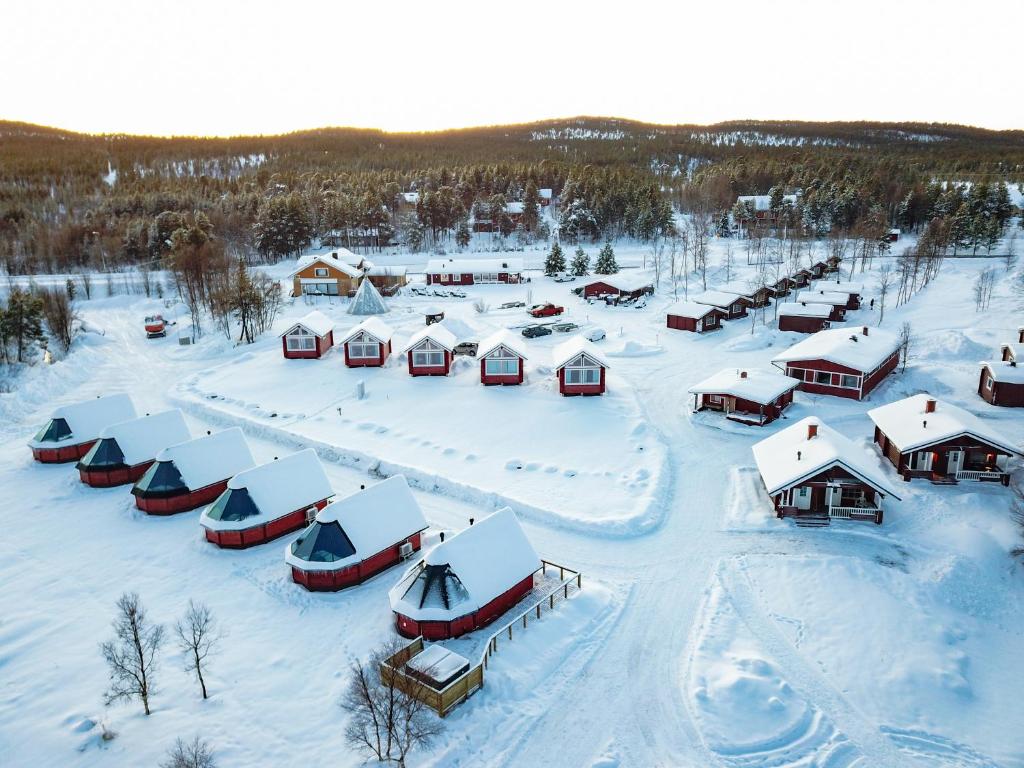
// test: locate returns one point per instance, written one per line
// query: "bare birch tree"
(191, 754)
(198, 636)
(131, 656)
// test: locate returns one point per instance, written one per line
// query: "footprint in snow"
(469, 457)
(570, 473)
(448, 452)
(513, 464)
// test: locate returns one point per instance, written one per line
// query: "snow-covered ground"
(708, 633)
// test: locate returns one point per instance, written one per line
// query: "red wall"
(364, 362)
(580, 389)
(802, 324)
(490, 379)
(322, 345)
(172, 505)
(104, 478)
(430, 370)
(258, 534)
(332, 581)
(1003, 393)
(62, 455)
(444, 630)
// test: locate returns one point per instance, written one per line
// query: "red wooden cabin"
(844, 362)
(852, 291)
(757, 296)
(430, 351)
(72, 429)
(267, 501)
(502, 359)
(474, 271)
(581, 367)
(358, 536)
(126, 450)
(749, 397)
(368, 344)
(836, 302)
(804, 317)
(310, 337)
(731, 304)
(467, 581)
(694, 317)
(620, 285)
(1002, 383)
(192, 474)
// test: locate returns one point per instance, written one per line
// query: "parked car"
(532, 331)
(563, 277)
(512, 304)
(456, 293)
(594, 334)
(441, 292)
(466, 348)
(564, 327)
(418, 290)
(547, 309)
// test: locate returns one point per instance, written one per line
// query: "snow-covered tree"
(606, 264)
(555, 261)
(580, 263)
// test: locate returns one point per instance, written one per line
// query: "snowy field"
(707, 633)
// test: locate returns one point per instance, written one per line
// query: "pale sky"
(223, 68)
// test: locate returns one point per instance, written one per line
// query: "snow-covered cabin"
(430, 351)
(192, 474)
(581, 367)
(758, 296)
(545, 194)
(621, 286)
(1011, 352)
(326, 274)
(474, 271)
(804, 317)
(514, 210)
(893, 235)
(853, 291)
(386, 279)
(311, 337)
(801, 278)
(1002, 383)
(926, 437)
(694, 317)
(845, 362)
(72, 429)
(466, 581)
(267, 501)
(834, 300)
(502, 359)
(731, 304)
(358, 536)
(750, 397)
(781, 287)
(368, 344)
(811, 471)
(124, 451)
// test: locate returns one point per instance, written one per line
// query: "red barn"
(694, 317)
(72, 429)
(621, 286)
(502, 359)
(430, 351)
(126, 450)
(925, 437)
(581, 367)
(841, 361)
(474, 271)
(803, 317)
(749, 397)
(836, 302)
(1002, 383)
(732, 305)
(467, 581)
(310, 337)
(368, 344)
(267, 501)
(191, 474)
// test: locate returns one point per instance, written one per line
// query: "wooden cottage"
(845, 362)
(310, 338)
(757, 297)
(1002, 383)
(694, 317)
(749, 397)
(731, 305)
(781, 288)
(926, 437)
(368, 344)
(618, 287)
(124, 451)
(326, 274)
(1013, 351)
(466, 581)
(814, 474)
(474, 271)
(502, 359)
(852, 291)
(192, 474)
(832, 264)
(803, 317)
(480, 219)
(387, 280)
(836, 302)
(72, 429)
(358, 536)
(818, 269)
(430, 351)
(267, 501)
(802, 278)
(581, 367)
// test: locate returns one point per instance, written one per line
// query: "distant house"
(124, 451)
(502, 359)
(803, 317)
(1014, 350)
(311, 337)
(466, 581)
(756, 297)
(267, 501)
(781, 288)
(836, 302)
(368, 344)
(833, 263)
(430, 351)
(191, 474)
(844, 362)
(356, 537)
(72, 429)
(513, 210)
(819, 268)
(732, 305)
(801, 278)
(581, 367)
(853, 291)
(814, 474)
(760, 206)
(1002, 383)
(329, 274)
(694, 317)
(750, 397)
(926, 437)
(546, 195)
(621, 286)
(387, 280)
(474, 271)
(892, 236)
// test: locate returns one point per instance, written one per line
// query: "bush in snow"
(194, 754)
(131, 655)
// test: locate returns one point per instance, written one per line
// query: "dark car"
(512, 304)
(532, 331)
(564, 327)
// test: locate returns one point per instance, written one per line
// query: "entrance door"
(802, 498)
(956, 462)
(923, 461)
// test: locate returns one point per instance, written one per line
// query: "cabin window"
(427, 358)
(320, 272)
(54, 431)
(715, 399)
(456, 278)
(320, 289)
(497, 366)
(323, 543)
(162, 478)
(803, 492)
(988, 383)
(582, 375)
(364, 350)
(104, 454)
(300, 340)
(233, 505)
(822, 377)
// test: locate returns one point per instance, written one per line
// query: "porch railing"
(854, 513)
(972, 474)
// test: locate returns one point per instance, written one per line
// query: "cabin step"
(812, 521)
(944, 480)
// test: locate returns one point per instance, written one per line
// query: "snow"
(437, 662)
(1015, 349)
(577, 345)
(515, 207)
(790, 456)
(1006, 372)
(339, 259)
(316, 322)
(840, 286)
(411, 197)
(88, 418)
(810, 309)
(848, 347)
(738, 288)
(210, 458)
(513, 265)
(764, 202)
(374, 327)
(502, 338)
(383, 271)
(718, 299)
(436, 333)
(545, 193)
(757, 386)
(832, 298)
(689, 309)
(910, 426)
(143, 438)
(367, 301)
(625, 282)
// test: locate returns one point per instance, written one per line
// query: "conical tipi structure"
(367, 300)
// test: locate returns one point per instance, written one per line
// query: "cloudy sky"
(227, 67)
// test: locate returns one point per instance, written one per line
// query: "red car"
(545, 310)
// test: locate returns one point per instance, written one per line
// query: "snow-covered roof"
(823, 297)
(690, 309)
(502, 338)
(789, 457)
(739, 288)
(757, 386)
(810, 309)
(281, 486)
(488, 558)
(367, 301)
(626, 282)
(87, 418)
(411, 197)
(565, 352)
(718, 299)
(515, 207)
(839, 286)
(460, 329)
(384, 271)
(375, 327)
(763, 202)
(436, 333)
(373, 519)
(143, 438)
(316, 321)
(437, 662)
(473, 266)
(545, 193)
(909, 424)
(1016, 350)
(340, 259)
(844, 346)
(1006, 372)
(211, 458)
